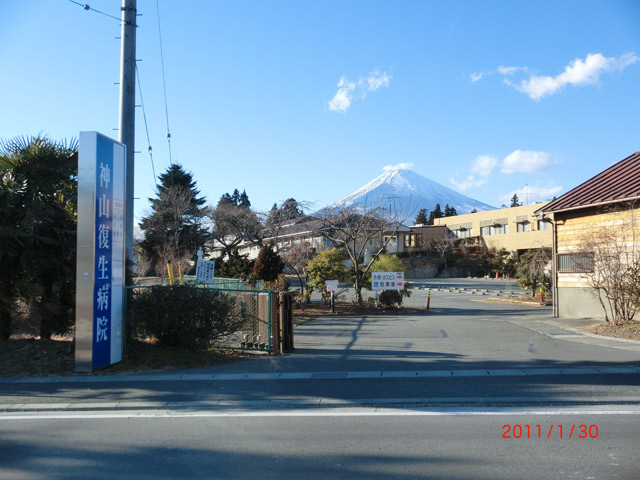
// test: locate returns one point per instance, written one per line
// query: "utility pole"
(126, 127)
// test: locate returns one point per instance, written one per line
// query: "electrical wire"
(146, 126)
(88, 7)
(164, 83)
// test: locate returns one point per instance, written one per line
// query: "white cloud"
(399, 166)
(377, 80)
(529, 194)
(484, 165)
(347, 90)
(476, 77)
(468, 183)
(502, 70)
(524, 161)
(577, 73)
(341, 102)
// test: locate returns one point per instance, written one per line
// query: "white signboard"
(204, 271)
(332, 285)
(387, 280)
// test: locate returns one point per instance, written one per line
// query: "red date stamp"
(554, 431)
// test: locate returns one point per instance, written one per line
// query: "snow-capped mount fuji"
(406, 191)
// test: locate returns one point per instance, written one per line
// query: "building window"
(524, 227)
(544, 225)
(500, 229)
(410, 240)
(485, 231)
(463, 233)
(575, 262)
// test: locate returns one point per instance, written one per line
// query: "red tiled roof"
(618, 183)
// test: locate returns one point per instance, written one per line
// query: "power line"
(164, 83)
(146, 127)
(88, 7)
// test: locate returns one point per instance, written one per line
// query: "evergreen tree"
(268, 264)
(435, 213)
(236, 266)
(449, 211)
(226, 200)
(515, 201)
(174, 230)
(421, 218)
(38, 200)
(243, 200)
(236, 199)
(291, 209)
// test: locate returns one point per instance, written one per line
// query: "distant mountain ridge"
(408, 192)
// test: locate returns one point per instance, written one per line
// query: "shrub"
(280, 284)
(268, 265)
(326, 265)
(184, 315)
(389, 298)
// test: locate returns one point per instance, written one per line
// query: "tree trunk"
(5, 324)
(358, 288)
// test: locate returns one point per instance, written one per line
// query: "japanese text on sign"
(387, 280)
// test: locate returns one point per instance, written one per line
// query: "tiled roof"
(618, 183)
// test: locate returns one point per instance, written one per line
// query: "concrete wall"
(578, 303)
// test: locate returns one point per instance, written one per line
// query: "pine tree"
(421, 218)
(515, 201)
(435, 213)
(449, 211)
(243, 200)
(174, 230)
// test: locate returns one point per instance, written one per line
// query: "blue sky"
(312, 100)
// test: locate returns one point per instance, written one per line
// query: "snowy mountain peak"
(407, 191)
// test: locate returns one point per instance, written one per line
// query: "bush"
(389, 298)
(280, 284)
(184, 316)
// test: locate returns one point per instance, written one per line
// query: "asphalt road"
(420, 396)
(333, 444)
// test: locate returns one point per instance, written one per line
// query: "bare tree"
(233, 224)
(295, 258)
(358, 229)
(442, 246)
(610, 259)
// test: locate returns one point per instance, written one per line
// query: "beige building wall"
(574, 231)
(577, 229)
(514, 229)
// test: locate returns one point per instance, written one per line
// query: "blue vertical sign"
(103, 256)
(100, 276)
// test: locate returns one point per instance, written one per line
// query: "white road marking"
(335, 375)
(346, 412)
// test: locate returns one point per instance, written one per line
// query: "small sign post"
(204, 269)
(387, 281)
(332, 286)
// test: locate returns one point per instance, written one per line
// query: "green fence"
(254, 309)
(218, 282)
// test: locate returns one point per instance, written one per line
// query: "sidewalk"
(571, 329)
